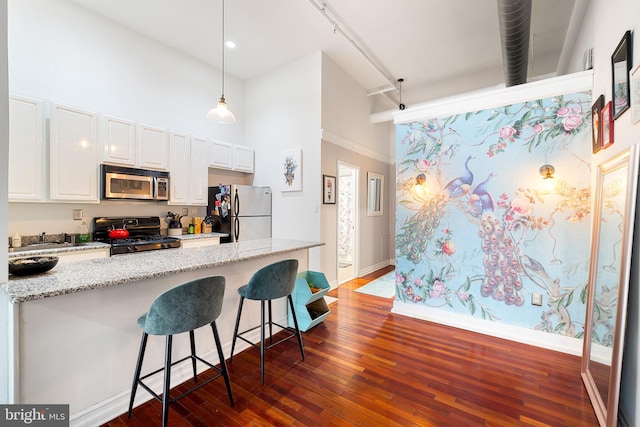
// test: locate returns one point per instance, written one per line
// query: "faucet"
(42, 237)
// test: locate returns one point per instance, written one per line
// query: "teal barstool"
(182, 309)
(271, 282)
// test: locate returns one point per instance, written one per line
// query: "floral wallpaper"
(478, 229)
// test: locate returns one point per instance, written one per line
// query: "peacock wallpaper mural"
(479, 230)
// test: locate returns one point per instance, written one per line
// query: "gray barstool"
(182, 309)
(271, 282)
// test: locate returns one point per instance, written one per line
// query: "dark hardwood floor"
(367, 367)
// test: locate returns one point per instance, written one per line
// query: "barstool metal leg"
(235, 330)
(136, 375)
(223, 364)
(270, 325)
(295, 323)
(167, 382)
(262, 343)
(193, 354)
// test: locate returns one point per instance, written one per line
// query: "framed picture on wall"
(328, 190)
(607, 125)
(596, 132)
(620, 67)
(635, 95)
(291, 165)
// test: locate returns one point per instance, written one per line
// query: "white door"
(347, 222)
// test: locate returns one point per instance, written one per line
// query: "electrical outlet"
(536, 299)
(185, 211)
(77, 214)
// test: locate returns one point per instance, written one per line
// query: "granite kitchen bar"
(75, 335)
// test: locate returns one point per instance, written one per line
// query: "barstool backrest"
(274, 281)
(185, 307)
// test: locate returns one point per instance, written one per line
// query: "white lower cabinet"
(25, 149)
(74, 155)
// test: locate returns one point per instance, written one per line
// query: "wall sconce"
(419, 189)
(548, 180)
(547, 171)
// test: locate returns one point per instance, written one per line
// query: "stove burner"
(144, 234)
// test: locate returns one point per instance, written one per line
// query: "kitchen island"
(74, 331)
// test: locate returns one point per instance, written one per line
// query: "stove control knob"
(135, 248)
(129, 249)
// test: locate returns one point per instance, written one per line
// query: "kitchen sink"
(40, 246)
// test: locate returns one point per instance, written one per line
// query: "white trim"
(372, 268)
(476, 101)
(341, 141)
(519, 334)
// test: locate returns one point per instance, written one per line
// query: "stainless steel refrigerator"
(242, 211)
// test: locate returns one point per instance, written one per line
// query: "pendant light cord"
(223, 49)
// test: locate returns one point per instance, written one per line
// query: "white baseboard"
(118, 404)
(514, 333)
(372, 268)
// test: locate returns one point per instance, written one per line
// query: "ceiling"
(440, 47)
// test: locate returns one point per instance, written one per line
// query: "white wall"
(282, 110)
(604, 25)
(61, 52)
(6, 350)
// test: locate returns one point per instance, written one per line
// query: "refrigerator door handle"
(236, 226)
(236, 203)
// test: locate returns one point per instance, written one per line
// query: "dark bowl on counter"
(31, 265)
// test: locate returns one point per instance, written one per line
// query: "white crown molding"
(343, 142)
(482, 100)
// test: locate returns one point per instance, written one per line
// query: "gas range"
(144, 234)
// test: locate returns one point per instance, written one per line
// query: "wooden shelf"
(310, 307)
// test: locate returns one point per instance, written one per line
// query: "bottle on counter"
(191, 229)
(16, 240)
(83, 233)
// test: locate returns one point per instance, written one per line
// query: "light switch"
(536, 299)
(77, 214)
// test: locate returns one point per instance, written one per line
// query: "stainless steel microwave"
(122, 183)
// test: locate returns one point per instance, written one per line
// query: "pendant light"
(221, 113)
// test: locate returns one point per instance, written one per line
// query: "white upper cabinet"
(153, 148)
(221, 155)
(118, 141)
(74, 155)
(224, 155)
(243, 159)
(199, 171)
(25, 149)
(180, 164)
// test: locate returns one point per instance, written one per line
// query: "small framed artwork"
(328, 190)
(635, 95)
(620, 67)
(291, 170)
(596, 132)
(607, 125)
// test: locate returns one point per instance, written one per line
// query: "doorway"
(347, 222)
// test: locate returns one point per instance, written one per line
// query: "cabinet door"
(243, 157)
(199, 171)
(73, 155)
(221, 155)
(180, 166)
(25, 149)
(118, 141)
(153, 148)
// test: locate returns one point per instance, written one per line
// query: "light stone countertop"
(200, 236)
(66, 249)
(78, 276)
